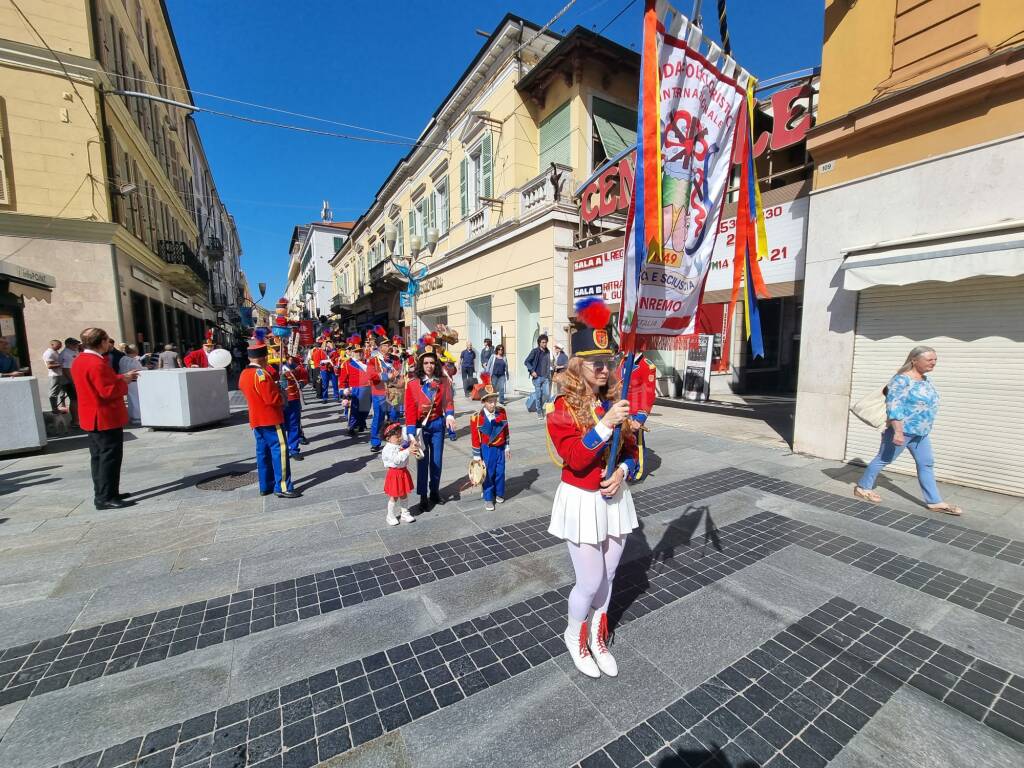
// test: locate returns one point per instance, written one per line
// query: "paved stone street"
(764, 617)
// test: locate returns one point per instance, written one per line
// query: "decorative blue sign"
(405, 300)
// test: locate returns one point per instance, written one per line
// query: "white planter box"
(183, 397)
(23, 428)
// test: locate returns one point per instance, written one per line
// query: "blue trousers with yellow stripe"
(293, 425)
(272, 459)
(494, 482)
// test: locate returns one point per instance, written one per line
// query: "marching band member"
(429, 410)
(199, 357)
(294, 376)
(489, 431)
(266, 415)
(593, 514)
(326, 359)
(355, 381)
(642, 391)
(383, 367)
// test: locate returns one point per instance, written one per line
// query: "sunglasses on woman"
(598, 365)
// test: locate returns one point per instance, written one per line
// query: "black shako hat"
(593, 339)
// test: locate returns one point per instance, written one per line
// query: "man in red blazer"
(102, 413)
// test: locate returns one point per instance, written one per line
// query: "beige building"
(101, 190)
(494, 174)
(916, 230)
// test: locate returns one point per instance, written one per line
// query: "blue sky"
(382, 65)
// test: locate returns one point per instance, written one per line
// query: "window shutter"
(432, 210)
(412, 222)
(463, 188)
(616, 126)
(446, 205)
(555, 146)
(487, 166)
(338, 242)
(399, 239)
(5, 181)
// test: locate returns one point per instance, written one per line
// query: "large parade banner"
(689, 106)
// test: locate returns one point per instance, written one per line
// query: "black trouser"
(105, 451)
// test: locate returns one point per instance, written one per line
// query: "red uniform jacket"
(266, 407)
(322, 359)
(583, 451)
(197, 359)
(641, 388)
(381, 370)
(418, 403)
(295, 378)
(100, 393)
(351, 375)
(493, 432)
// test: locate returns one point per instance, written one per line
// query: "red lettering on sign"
(606, 185)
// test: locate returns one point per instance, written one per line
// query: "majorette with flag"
(259, 385)
(593, 509)
(383, 367)
(354, 381)
(429, 413)
(325, 358)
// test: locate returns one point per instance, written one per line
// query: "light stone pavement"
(747, 555)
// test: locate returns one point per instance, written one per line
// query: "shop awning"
(24, 282)
(943, 260)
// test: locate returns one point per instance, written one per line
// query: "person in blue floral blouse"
(911, 403)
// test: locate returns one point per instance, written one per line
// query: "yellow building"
(494, 174)
(103, 190)
(916, 233)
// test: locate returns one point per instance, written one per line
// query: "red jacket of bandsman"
(197, 358)
(100, 393)
(295, 376)
(584, 450)
(382, 368)
(353, 373)
(433, 399)
(324, 360)
(262, 393)
(492, 432)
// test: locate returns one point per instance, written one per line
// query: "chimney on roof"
(326, 214)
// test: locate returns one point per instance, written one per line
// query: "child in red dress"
(398, 481)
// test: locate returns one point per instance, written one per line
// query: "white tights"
(595, 566)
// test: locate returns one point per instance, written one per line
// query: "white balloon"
(219, 358)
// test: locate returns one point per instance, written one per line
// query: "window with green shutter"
(412, 222)
(463, 187)
(487, 166)
(338, 242)
(399, 239)
(555, 146)
(614, 129)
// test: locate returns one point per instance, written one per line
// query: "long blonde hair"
(915, 353)
(581, 398)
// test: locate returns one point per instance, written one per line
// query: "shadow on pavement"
(230, 467)
(304, 483)
(12, 482)
(712, 758)
(851, 474)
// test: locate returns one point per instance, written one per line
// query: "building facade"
(494, 175)
(99, 187)
(916, 233)
(310, 276)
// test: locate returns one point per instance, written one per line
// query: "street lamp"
(411, 262)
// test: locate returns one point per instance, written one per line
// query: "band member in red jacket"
(429, 411)
(102, 413)
(593, 514)
(295, 377)
(488, 429)
(382, 366)
(200, 358)
(266, 416)
(642, 390)
(326, 360)
(354, 380)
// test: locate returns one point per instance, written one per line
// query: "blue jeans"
(542, 387)
(498, 382)
(920, 447)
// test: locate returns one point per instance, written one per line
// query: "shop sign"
(598, 275)
(431, 284)
(610, 192)
(786, 227)
(179, 297)
(145, 277)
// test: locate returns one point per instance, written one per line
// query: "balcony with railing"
(214, 249)
(184, 269)
(540, 193)
(384, 276)
(219, 301)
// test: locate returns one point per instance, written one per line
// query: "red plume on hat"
(485, 378)
(429, 338)
(381, 331)
(593, 312)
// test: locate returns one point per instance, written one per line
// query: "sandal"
(866, 495)
(946, 509)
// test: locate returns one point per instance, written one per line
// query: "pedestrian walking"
(538, 363)
(103, 415)
(397, 481)
(467, 364)
(559, 362)
(59, 400)
(130, 362)
(169, 358)
(594, 515)
(911, 405)
(489, 431)
(499, 372)
(485, 355)
(260, 388)
(429, 411)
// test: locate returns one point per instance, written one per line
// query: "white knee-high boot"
(391, 517)
(576, 640)
(599, 644)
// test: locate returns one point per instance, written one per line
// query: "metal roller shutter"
(977, 328)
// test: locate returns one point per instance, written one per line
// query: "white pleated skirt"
(587, 517)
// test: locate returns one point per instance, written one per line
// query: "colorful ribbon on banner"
(751, 238)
